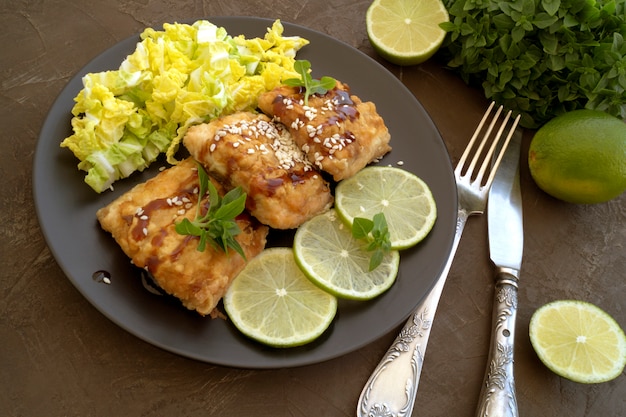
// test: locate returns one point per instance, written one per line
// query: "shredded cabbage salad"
(186, 74)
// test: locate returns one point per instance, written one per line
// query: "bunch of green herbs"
(541, 57)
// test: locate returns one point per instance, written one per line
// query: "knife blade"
(506, 244)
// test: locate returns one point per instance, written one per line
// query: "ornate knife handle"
(391, 389)
(497, 397)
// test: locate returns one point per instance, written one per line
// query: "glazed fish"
(338, 132)
(246, 149)
(142, 221)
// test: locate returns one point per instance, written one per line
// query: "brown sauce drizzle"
(148, 210)
(344, 108)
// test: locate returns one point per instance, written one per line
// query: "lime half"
(272, 301)
(405, 199)
(578, 341)
(337, 262)
(406, 32)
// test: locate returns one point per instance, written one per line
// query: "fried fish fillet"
(338, 132)
(245, 149)
(142, 221)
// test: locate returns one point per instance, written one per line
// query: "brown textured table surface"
(60, 357)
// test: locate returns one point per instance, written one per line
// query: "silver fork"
(391, 389)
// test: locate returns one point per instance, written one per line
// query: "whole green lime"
(580, 157)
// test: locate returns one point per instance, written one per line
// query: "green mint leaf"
(203, 179)
(293, 82)
(380, 222)
(214, 197)
(186, 227)
(361, 227)
(376, 259)
(229, 209)
(232, 195)
(202, 243)
(328, 83)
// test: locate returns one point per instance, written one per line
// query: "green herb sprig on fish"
(541, 57)
(311, 86)
(217, 226)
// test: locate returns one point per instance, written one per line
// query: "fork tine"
(495, 165)
(470, 145)
(488, 158)
(482, 144)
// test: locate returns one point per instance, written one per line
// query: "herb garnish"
(311, 86)
(376, 232)
(218, 225)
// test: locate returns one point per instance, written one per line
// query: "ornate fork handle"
(497, 397)
(391, 389)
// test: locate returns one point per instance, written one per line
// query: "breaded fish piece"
(142, 221)
(247, 150)
(339, 133)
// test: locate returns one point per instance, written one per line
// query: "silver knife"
(506, 243)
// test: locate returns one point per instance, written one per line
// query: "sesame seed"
(145, 231)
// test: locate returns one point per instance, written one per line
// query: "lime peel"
(580, 157)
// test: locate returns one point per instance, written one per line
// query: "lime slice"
(578, 341)
(405, 199)
(337, 262)
(406, 32)
(271, 301)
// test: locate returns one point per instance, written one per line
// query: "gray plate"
(66, 207)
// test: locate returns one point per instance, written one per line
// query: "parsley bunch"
(541, 57)
(217, 226)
